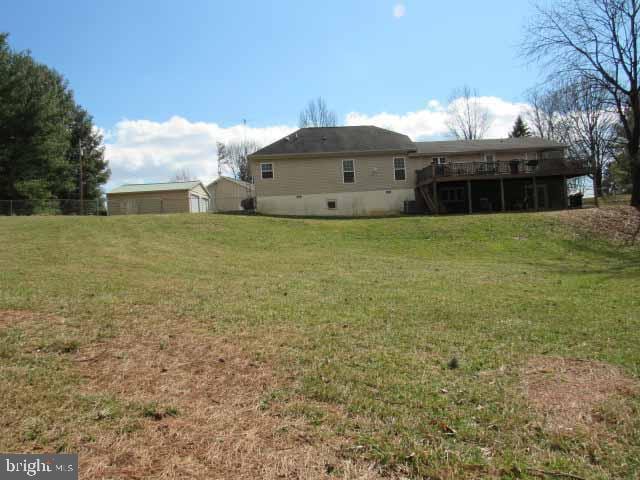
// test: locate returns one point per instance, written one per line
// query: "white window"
(348, 171)
(490, 157)
(439, 160)
(399, 169)
(266, 169)
(331, 204)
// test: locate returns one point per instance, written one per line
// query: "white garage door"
(194, 204)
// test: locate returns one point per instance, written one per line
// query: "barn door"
(132, 206)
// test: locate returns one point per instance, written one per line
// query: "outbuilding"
(227, 194)
(171, 197)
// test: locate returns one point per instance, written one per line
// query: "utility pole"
(81, 180)
(244, 139)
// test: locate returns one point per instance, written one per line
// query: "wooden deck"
(462, 171)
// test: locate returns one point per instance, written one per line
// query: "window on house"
(490, 157)
(439, 160)
(267, 170)
(348, 171)
(331, 204)
(399, 170)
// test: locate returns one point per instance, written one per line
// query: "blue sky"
(180, 75)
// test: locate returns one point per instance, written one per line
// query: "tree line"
(590, 47)
(49, 145)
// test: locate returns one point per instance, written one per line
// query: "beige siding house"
(173, 197)
(367, 171)
(227, 194)
(339, 171)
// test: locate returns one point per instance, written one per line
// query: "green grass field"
(360, 321)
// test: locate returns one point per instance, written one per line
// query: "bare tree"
(590, 127)
(317, 114)
(544, 115)
(182, 175)
(577, 113)
(596, 40)
(234, 156)
(468, 118)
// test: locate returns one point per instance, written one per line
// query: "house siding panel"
(226, 195)
(200, 191)
(323, 175)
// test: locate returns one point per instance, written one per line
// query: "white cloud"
(145, 151)
(142, 151)
(431, 121)
(399, 10)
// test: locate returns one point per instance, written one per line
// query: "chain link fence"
(127, 206)
(52, 207)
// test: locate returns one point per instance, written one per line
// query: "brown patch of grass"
(201, 415)
(9, 318)
(569, 392)
(619, 223)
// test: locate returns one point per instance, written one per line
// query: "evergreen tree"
(85, 139)
(520, 129)
(618, 178)
(40, 127)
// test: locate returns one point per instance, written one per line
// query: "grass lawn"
(352, 327)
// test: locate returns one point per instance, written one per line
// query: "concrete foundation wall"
(348, 204)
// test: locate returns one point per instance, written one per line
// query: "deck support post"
(435, 197)
(469, 198)
(535, 194)
(565, 203)
(503, 207)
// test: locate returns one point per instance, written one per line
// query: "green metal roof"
(155, 187)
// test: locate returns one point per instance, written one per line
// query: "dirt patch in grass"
(14, 318)
(568, 392)
(619, 223)
(203, 414)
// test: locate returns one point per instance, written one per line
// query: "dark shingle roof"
(338, 139)
(472, 146)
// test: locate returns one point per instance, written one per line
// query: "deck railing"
(547, 166)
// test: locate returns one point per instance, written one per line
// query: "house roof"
(338, 139)
(155, 187)
(239, 182)
(472, 146)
